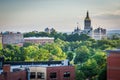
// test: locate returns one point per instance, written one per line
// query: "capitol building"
(97, 34)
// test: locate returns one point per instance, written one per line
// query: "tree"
(90, 69)
(103, 74)
(26, 44)
(42, 55)
(31, 52)
(82, 54)
(100, 57)
(12, 53)
(73, 37)
(0, 46)
(70, 55)
(56, 51)
(79, 75)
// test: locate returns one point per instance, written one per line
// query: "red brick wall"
(14, 76)
(60, 72)
(113, 66)
(6, 68)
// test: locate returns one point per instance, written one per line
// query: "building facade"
(39, 40)
(9, 74)
(46, 70)
(113, 65)
(12, 38)
(61, 73)
(52, 73)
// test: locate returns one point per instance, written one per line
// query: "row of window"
(41, 75)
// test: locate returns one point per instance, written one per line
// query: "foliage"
(103, 73)
(82, 54)
(70, 55)
(90, 69)
(86, 53)
(0, 46)
(12, 53)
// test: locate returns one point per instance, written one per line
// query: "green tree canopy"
(90, 69)
(82, 54)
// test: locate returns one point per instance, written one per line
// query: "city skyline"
(62, 15)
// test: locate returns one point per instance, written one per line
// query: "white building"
(96, 34)
(39, 40)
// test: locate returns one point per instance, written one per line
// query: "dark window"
(40, 75)
(53, 75)
(67, 74)
(32, 75)
(19, 79)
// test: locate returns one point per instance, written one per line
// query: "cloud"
(108, 15)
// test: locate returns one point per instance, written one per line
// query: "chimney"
(6, 68)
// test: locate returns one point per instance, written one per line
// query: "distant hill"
(110, 32)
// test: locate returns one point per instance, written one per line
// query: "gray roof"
(113, 51)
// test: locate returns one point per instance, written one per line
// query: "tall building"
(113, 64)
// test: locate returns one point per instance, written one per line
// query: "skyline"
(62, 15)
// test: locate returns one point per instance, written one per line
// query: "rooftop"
(39, 63)
(113, 51)
(39, 38)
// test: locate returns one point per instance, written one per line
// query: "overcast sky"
(63, 15)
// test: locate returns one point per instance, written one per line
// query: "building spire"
(87, 22)
(87, 15)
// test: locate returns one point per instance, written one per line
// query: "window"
(40, 75)
(66, 74)
(19, 79)
(53, 75)
(32, 75)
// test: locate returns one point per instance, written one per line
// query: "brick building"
(47, 70)
(52, 73)
(12, 38)
(39, 40)
(12, 74)
(113, 65)
(61, 73)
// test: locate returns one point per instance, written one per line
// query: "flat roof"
(113, 51)
(39, 38)
(32, 62)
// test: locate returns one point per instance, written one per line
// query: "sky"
(62, 15)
